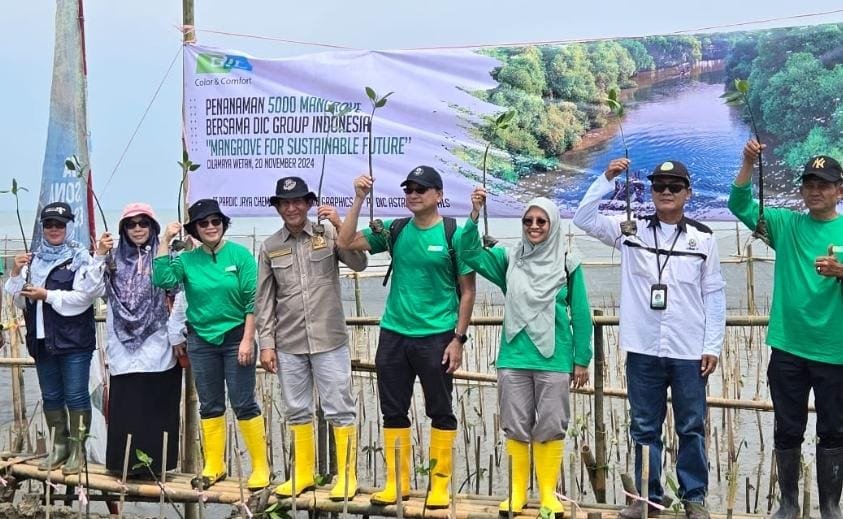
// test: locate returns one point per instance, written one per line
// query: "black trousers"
(399, 360)
(791, 379)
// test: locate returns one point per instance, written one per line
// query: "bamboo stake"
(399, 495)
(806, 491)
(509, 487)
(294, 495)
(49, 485)
(645, 480)
(163, 475)
(453, 496)
(345, 471)
(126, 456)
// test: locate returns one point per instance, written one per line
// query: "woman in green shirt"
(219, 279)
(545, 345)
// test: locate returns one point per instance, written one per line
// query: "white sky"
(131, 43)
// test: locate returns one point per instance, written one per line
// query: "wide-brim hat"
(59, 211)
(200, 210)
(671, 168)
(289, 188)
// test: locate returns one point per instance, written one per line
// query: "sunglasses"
(143, 224)
(528, 222)
(216, 222)
(54, 224)
(419, 190)
(659, 187)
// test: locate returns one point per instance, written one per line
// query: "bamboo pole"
(126, 455)
(645, 480)
(598, 481)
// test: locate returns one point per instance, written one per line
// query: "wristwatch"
(463, 338)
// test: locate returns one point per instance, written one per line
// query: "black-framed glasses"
(419, 190)
(54, 224)
(143, 224)
(216, 222)
(528, 222)
(673, 187)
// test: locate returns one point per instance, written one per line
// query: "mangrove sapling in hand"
(15, 190)
(186, 167)
(377, 102)
(335, 114)
(81, 170)
(501, 122)
(628, 227)
(738, 97)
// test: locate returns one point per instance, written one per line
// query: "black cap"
(823, 167)
(200, 210)
(671, 168)
(424, 176)
(57, 211)
(291, 187)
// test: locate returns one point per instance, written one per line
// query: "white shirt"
(154, 355)
(64, 302)
(693, 323)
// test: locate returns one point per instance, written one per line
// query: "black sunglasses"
(541, 222)
(143, 224)
(54, 224)
(673, 187)
(216, 222)
(419, 190)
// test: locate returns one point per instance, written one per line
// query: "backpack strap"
(397, 225)
(395, 228)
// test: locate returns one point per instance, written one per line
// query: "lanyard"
(659, 264)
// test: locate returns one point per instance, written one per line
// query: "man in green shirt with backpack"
(423, 327)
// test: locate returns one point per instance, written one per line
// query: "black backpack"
(397, 225)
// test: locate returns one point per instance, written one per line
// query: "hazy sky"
(130, 45)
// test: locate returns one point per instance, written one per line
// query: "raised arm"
(349, 237)
(588, 218)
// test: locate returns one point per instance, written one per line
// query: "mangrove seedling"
(15, 190)
(335, 115)
(73, 164)
(145, 461)
(501, 122)
(738, 97)
(186, 167)
(628, 227)
(377, 102)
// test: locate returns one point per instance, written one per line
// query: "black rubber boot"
(788, 465)
(830, 481)
(56, 420)
(78, 437)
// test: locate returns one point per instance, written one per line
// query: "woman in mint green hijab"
(545, 345)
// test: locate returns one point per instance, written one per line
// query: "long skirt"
(143, 405)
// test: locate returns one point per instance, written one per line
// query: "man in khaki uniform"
(302, 333)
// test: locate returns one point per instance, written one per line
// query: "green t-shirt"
(422, 296)
(807, 308)
(573, 334)
(219, 293)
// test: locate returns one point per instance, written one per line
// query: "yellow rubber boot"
(441, 446)
(547, 457)
(389, 494)
(305, 462)
(345, 443)
(254, 436)
(213, 436)
(520, 454)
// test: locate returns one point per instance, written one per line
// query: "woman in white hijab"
(545, 345)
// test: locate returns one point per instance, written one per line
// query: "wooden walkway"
(229, 492)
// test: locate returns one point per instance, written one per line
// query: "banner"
(250, 121)
(67, 130)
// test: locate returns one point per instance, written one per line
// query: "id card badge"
(658, 296)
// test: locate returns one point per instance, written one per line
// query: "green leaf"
(380, 103)
(14, 185)
(23, 189)
(70, 165)
(143, 457)
(138, 466)
(371, 93)
(194, 167)
(742, 85)
(613, 94)
(322, 479)
(387, 95)
(331, 108)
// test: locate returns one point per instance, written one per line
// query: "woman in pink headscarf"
(144, 341)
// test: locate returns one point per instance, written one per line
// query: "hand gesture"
(363, 185)
(616, 167)
(105, 244)
(329, 212)
(171, 231)
(21, 260)
(751, 150)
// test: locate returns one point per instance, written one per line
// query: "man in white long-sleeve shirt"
(672, 323)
